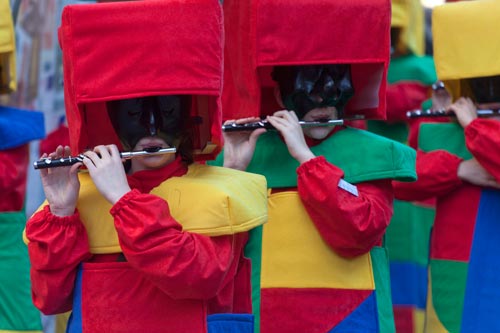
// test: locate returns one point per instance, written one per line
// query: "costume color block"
(410, 76)
(463, 279)
(17, 128)
(319, 271)
(7, 49)
(168, 256)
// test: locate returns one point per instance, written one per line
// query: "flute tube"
(443, 113)
(233, 127)
(46, 163)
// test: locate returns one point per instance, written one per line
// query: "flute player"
(330, 187)
(149, 246)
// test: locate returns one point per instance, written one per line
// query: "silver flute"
(443, 113)
(233, 127)
(45, 163)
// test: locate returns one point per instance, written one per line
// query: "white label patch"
(348, 187)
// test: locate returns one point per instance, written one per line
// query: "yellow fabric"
(466, 41)
(7, 49)
(295, 256)
(418, 320)
(208, 200)
(409, 16)
(432, 322)
(400, 13)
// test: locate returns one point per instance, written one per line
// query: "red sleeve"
(351, 224)
(154, 243)
(437, 176)
(13, 172)
(57, 245)
(482, 137)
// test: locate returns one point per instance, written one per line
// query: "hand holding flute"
(105, 165)
(463, 109)
(45, 163)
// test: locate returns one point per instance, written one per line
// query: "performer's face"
(305, 88)
(155, 116)
(486, 90)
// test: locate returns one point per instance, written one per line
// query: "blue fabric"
(408, 284)
(359, 321)
(18, 127)
(482, 292)
(230, 323)
(75, 320)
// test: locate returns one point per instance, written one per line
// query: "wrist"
(303, 158)
(62, 212)
(234, 165)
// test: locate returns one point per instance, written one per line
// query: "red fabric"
(131, 49)
(483, 141)
(453, 230)
(404, 319)
(437, 176)
(403, 97)
(256, 41)
(350, 225)
(60, 136)
(457, 202)
(307, 310)
(13, 172)
(156, 248)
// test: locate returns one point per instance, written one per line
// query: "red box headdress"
(134, 49)
(261, 34)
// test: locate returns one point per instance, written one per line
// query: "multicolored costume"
(17, 128)
(410, 76)
(322, 269)
(168, 256)
(464, 279)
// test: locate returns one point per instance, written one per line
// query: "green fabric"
(412, 68)
(445, 136)
(17, 312)
(427, 104)
(448, 279)
(363, 156)
(395, 131)
(408, 234)
(383, 289)
(253, 251)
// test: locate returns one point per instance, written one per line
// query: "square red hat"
(261, 34)
(122, 50)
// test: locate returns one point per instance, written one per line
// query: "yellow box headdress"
(466, 42)
(7, 49)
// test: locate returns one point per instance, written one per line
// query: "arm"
(483, 139)
(437, 174)
(351, 224)
(182, 264)
(57, 245)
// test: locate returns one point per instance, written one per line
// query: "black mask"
(136, 118)
(298, 85)
(486, 89)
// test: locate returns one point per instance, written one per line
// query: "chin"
(318, 133)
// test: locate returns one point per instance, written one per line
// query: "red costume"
(169, 253)
(463, 270)
(322, 270)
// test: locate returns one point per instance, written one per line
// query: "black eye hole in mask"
(136, 118)
(485, 89)
(304, 88)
